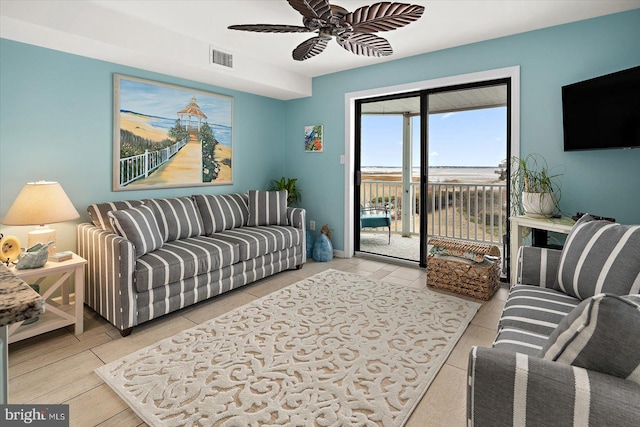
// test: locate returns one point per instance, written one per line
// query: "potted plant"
(289, 184)
(534, 188)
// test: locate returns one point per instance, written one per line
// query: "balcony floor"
(400, 247)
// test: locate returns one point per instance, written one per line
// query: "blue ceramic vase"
(323, 249)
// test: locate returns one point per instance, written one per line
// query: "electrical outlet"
(312, 225)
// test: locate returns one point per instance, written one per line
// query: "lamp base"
(43, 234)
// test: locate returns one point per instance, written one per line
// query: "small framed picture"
(313, 139)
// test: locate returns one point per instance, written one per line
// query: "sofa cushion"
(513, 339)
(256, 241)
(222, 212)
(98, 212)
(139, 226)
(182, 259)
(178, 217)
(601, 334)
(534, 309)
(267, 208)
(600, 257)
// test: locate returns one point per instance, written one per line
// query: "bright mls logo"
(35, 415)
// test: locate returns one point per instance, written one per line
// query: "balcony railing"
(475, 212)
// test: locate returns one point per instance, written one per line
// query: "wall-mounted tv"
(603, 112)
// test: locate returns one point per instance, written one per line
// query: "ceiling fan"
(352, 30)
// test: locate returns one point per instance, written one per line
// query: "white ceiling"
(173, 36)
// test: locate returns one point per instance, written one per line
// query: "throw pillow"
(601, 334)
(267, 208)
(600, 257)
(99, 212)
(139, 226)
(222, 212)
(178, 218)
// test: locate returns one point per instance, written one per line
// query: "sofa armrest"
(538, 266)
(506, 388)
(298, 219)
(109, 275)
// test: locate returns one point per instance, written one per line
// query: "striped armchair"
(567, 350)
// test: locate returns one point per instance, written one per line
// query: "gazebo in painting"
(191, 115)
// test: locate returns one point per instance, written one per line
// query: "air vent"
(220, 58)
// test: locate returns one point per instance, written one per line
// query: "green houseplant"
(293, 194)
(534, 189)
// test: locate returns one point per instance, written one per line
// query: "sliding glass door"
(431, 163)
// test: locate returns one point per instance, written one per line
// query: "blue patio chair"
(375, 217)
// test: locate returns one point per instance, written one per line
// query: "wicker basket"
(479, 280)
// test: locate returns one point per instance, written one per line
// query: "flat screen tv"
(603, 112)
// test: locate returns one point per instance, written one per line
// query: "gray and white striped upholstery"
(600, 334)
(222, 212)
(267, 208)
(98, 212)
(535, 309)
(127, 292)
(512, 389)
(538, 266)
(181, 259)
(600, 257)
(139, 226)
(520, 341)
(178, 217)
(257, 241)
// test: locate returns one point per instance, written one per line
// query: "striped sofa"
(147, 258)
(567, 352)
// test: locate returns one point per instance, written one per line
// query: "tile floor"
(57, 367)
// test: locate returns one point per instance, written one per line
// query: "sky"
(466, 138)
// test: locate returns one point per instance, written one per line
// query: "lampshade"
(40, 203)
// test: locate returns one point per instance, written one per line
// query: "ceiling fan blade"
(309, 48)
(383, 16)
(365, 44)
(268, 28)
(312, 9)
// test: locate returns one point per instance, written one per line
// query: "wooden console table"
(558, 225)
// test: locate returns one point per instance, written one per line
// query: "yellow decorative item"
(9, 248)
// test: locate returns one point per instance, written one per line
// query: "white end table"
(55, 316)
(558, 225)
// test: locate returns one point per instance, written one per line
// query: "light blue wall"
(605, 182)
(56, 124)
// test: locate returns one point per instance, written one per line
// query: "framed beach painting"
(169, 136)
(313, 139)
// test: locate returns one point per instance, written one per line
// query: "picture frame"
(167, 136)
(313, 139)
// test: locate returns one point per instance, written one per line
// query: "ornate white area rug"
(335, 349)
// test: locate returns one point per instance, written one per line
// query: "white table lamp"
(41, 203)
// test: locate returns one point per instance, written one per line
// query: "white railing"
(475, 212)
(141, 165)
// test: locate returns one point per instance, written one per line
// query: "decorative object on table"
(463, 267)
(40, 203)
(61, 256)
(9, 249)
(186, 131)
(310, 241)
(293, 194)
(535, 191)
(34, 257)
(313, 139)
(352, 30)
(323, 249)
(391, 339)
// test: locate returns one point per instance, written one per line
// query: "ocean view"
(464, 174)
